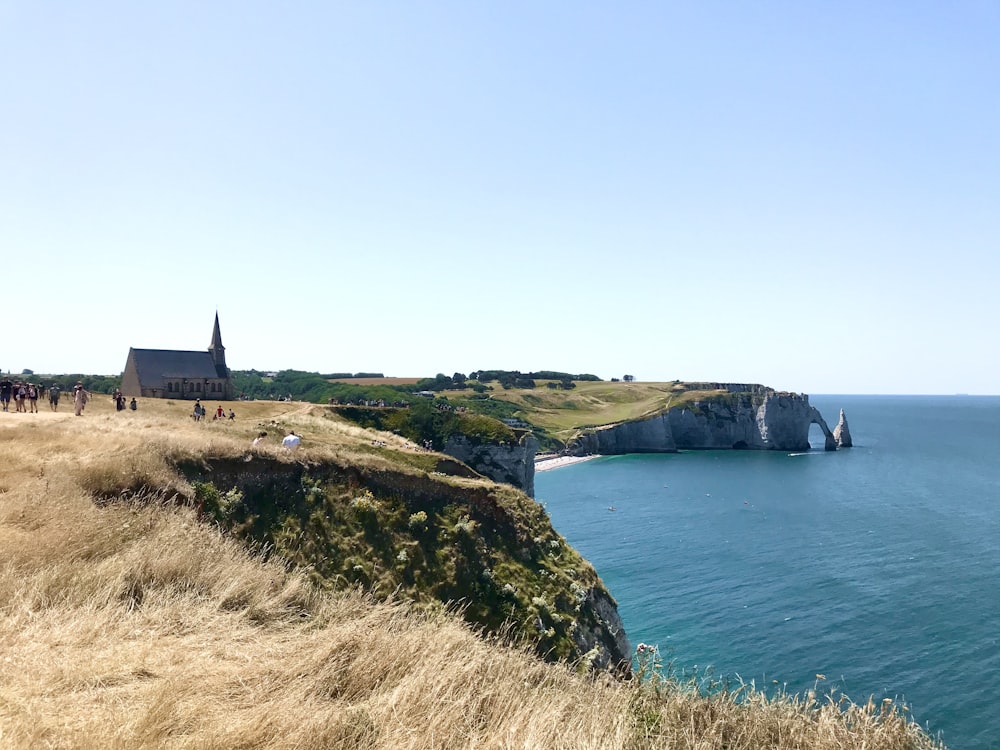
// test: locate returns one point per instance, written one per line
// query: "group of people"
(199, 412)
(291, 441)
(25, 396)
(119, 398)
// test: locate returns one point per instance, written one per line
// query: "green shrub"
(218, 506)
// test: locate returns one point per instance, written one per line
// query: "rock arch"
(816, 418)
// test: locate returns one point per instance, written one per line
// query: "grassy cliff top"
(564, 413)
(129, 622)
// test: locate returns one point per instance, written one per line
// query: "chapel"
(166, 373)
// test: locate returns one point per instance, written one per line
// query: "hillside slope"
(127, 622)
(369, 510)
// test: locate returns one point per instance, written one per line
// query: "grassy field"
(377, 381)
(134, 625)
(563, 413)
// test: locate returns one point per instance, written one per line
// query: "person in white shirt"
(291, 441)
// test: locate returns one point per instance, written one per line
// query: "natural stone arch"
(816, 418)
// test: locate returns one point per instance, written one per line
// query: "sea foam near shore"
(547, 462)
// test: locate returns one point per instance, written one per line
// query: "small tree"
(628, 378)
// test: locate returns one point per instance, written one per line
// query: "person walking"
(54, 393)
(80, 397)
(6, 391)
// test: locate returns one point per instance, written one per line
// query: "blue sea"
(876, 566)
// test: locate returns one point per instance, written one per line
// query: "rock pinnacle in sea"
(842, 433)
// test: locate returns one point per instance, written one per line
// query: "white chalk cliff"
(744, 417)
(842, 433)
(511, 464)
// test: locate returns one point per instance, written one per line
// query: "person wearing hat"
(80, 397)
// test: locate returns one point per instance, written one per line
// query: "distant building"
(165, 373)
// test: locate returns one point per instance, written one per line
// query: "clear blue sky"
(805, 195)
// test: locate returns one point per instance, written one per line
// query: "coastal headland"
(204, 589)
(611, 417)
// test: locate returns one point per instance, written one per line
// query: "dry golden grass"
(134, 626)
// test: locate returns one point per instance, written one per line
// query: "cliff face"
(426, 537)
(653, 435)
(510, 464)
(600, 633)
(486, 445)
(746, 417)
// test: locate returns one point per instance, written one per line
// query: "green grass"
(428, 539)
(562, 414)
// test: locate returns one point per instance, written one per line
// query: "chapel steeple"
(218, 351)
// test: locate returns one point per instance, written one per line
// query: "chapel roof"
(154, 365)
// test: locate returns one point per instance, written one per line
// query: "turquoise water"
(878, 566)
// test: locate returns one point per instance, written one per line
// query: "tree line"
(317, 387)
